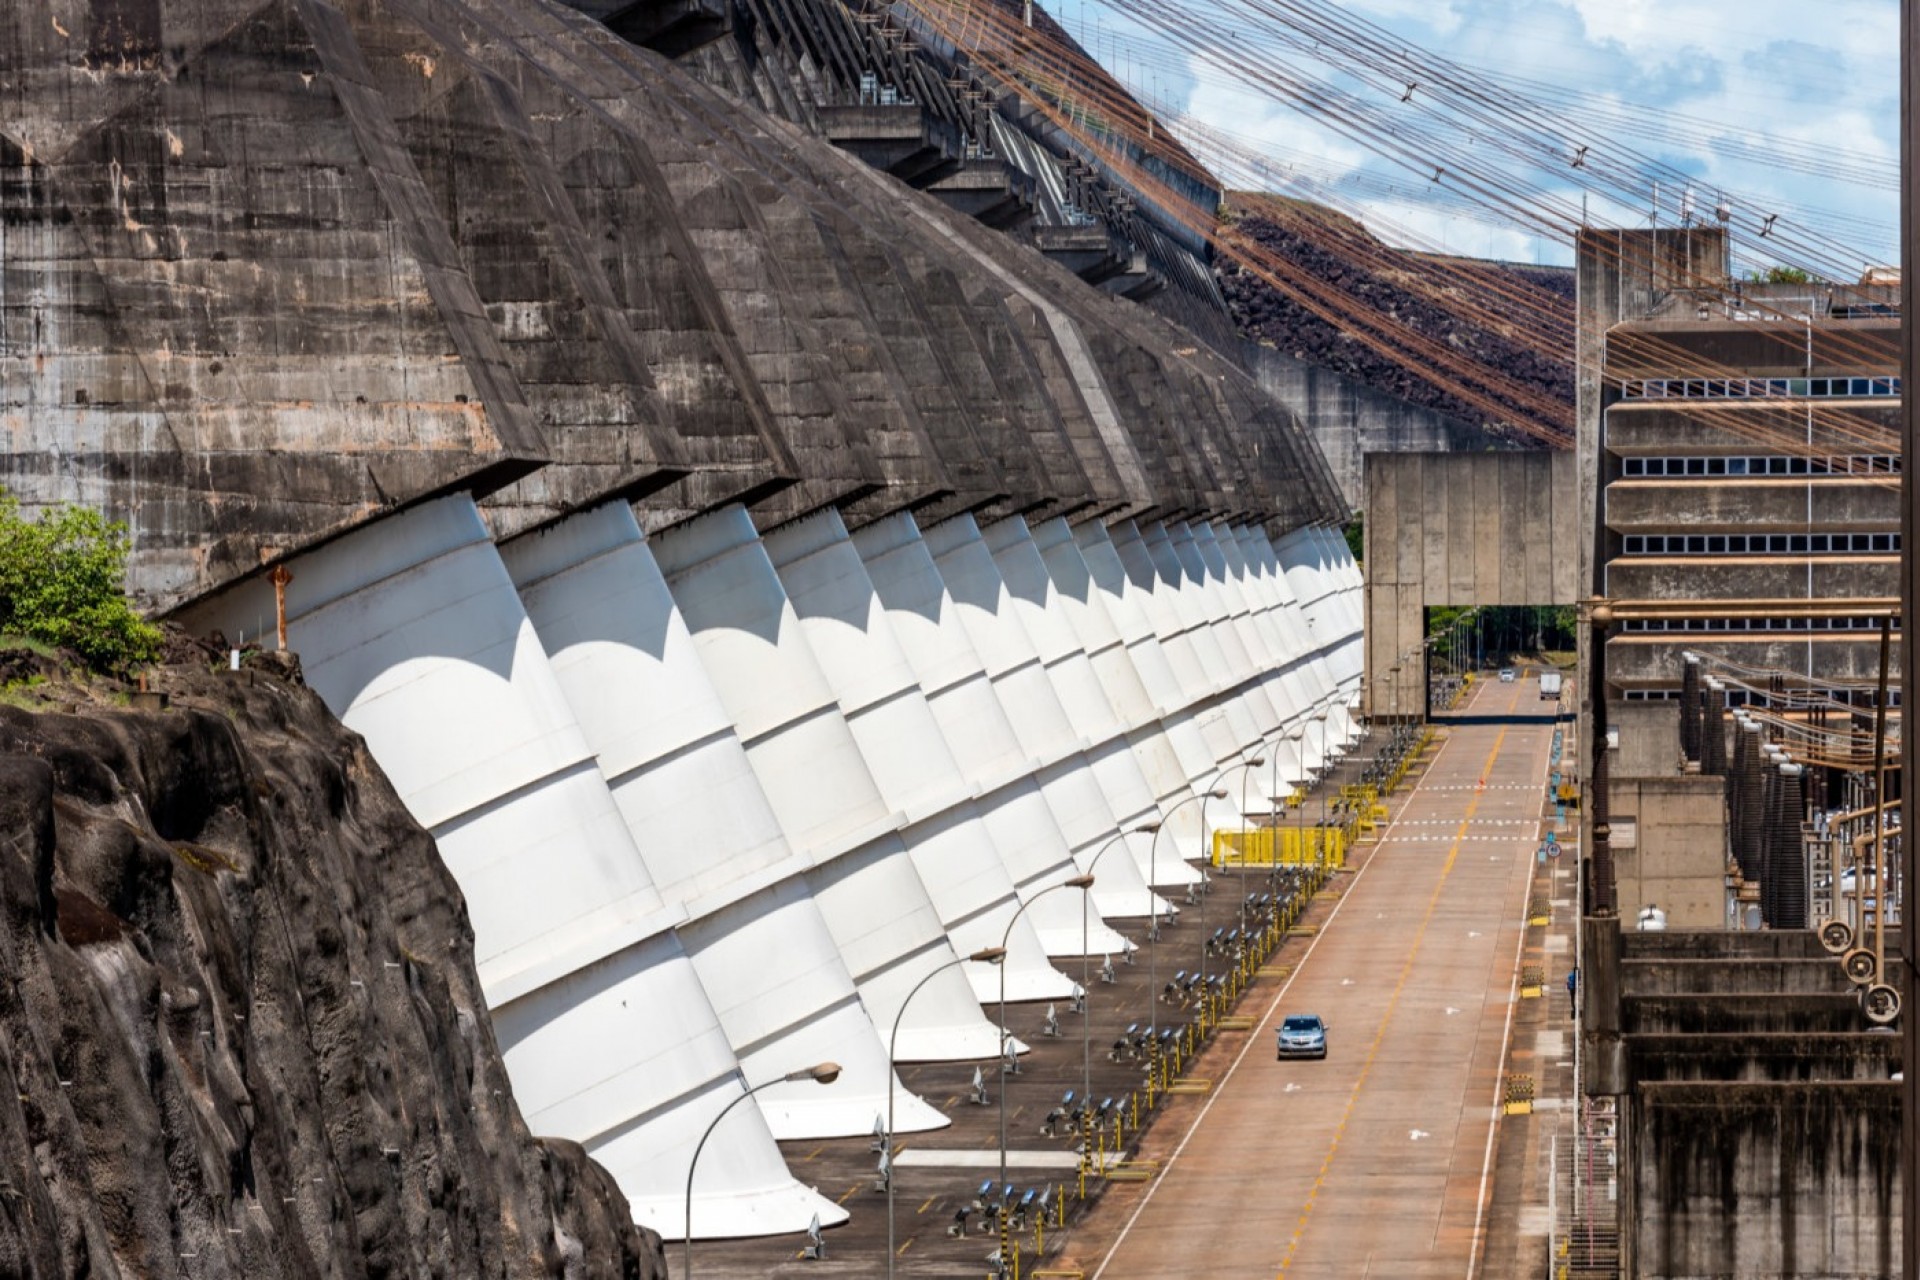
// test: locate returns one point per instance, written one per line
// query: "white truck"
(1550, 686)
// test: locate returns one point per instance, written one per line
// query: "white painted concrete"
(1064, 658)
(907, 753)
(1080, 807)
(411, 631)
(817, 783)
(985, 748)
(695, 811)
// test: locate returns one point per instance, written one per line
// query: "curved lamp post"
(1325, 768)
(823, 1072)
(1247, 767)
(986, 955)
(1085, 885)
(1153, 915)
(1214, 791)
(1086, 996)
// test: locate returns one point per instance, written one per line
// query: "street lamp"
(1248, 767)
(823, 1072)
(986, 955)
(1320, 852)
(1153, 914)
(1206, 853)
(1086, 991)
(1083, 883)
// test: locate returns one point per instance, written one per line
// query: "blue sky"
(1773, 106)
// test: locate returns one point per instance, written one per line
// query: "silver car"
(1301, 1035)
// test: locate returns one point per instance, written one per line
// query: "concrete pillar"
(1198, 579)
(1220, 553)
(987, 752)
(695, 810)
(1299, 558)
(1190, 608)
(411, 631)
(908, 756)
(1126, 607)
(818, 785)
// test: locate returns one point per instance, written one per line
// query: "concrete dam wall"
(762, 579)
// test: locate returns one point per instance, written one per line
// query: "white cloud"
(1822, 82)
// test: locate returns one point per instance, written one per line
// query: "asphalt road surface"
(1378, 1160)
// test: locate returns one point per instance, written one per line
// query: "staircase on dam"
(770, 584)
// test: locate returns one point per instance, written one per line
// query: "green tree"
(1779, 275)
(62, 582)
(1357, 538)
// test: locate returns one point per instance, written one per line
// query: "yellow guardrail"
(1312, 845)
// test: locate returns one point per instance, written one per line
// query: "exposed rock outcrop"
(238, 1008)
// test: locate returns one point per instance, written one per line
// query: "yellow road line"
(1373, 1050)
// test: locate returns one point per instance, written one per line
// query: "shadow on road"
(1510, 717)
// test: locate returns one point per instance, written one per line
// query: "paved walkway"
(1377, 1161)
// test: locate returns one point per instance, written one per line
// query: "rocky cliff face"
(239, 1018)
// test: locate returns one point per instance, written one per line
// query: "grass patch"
(11, 642)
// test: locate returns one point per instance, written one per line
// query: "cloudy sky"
(1776, 108)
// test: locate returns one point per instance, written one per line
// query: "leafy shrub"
(62, 582)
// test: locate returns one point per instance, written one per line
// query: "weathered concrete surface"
(241, 1024)
(274, 269)
(1670, 847)
(1350, 419)
(1760, 1112)
(1462, 529)
(1765, 1180)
